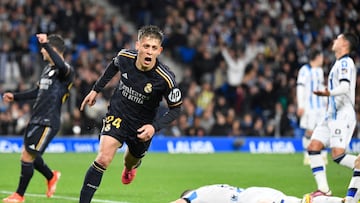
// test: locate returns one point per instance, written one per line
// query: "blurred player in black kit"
(131, 116)
(51, 92)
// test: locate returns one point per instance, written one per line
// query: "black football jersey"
(53, 92)
(139, 93)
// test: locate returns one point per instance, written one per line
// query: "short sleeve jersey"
(139, 93)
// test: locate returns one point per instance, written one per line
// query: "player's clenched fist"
(8, 97)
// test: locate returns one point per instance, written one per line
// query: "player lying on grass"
(230, 194)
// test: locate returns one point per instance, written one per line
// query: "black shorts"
(120, 130)
(38, 137)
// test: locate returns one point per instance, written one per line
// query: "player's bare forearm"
(324, 93)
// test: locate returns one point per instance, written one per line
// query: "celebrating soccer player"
(130, 119)
(52, 91)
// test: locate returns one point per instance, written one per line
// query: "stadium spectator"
(51, 93)
(130, 119)
(337, 127)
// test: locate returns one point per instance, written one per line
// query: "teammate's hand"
(322, 93)
(89, 99)
(146, 132)
(300, 112)
(42, 38)
(8, 97)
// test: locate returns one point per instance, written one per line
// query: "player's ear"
(137, 45)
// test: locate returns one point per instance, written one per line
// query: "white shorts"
(336, 133)
(311, 119)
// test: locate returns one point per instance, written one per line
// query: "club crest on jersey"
(51, 73)
(344, 64)
(148, 88)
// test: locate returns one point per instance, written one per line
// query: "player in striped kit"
(337, 129)
(311, 108)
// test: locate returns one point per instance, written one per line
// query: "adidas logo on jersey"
(124, 75)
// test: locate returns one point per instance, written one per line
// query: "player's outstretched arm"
(90, 99)
(325, 92)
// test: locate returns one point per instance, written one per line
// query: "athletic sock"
(27, 171)
(327, 199)
(354, 186)
(91, 182)
(41, 166)
(317, 165)
(347, 160)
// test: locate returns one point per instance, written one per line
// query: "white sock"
(353, 193)
(318, 168)
(326, 199)
(348, 161)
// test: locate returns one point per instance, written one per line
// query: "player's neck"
(339, 54)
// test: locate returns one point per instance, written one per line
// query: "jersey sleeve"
(108, 74)
(64, 69)
(345, 70)
(173, 98)
(302, 76)
(173, 94)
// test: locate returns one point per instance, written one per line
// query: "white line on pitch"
(64, 197)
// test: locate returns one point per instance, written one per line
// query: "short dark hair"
(314, 53)
(150, 31)
(57, 41)
(187, 191)
(352, 39)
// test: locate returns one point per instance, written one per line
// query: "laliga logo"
(6, 146)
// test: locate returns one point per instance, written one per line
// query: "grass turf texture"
(162, 177)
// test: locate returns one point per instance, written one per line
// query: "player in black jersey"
(130, 119)
(51, 92)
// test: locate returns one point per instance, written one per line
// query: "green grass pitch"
(162, 177)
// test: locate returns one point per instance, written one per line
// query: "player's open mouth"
(147, 60)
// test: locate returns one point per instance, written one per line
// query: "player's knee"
(315, 145)
(27, 156)
(103, 160)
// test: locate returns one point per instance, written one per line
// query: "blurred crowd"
(238, 59)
